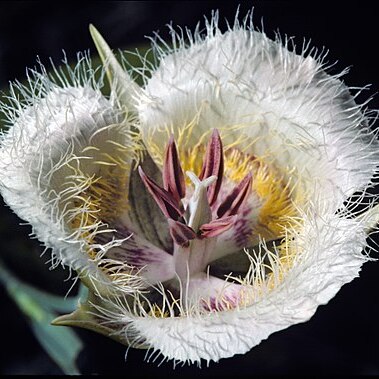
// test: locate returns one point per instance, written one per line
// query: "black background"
(342, 337)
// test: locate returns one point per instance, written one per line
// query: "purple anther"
(236, 198)
(181, 233)
(216, 227)
(165, 200)
(173, 178)
(213, 165)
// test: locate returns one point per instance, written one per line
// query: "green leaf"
(23, 293)
(62, 344)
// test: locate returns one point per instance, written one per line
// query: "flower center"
(196, 220)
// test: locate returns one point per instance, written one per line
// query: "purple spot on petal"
(220, 304)
(134, 251)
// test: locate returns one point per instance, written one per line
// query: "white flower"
(205, 210)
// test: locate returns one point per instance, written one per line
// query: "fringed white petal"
(328, 256)
(276, 103)
(56, 143)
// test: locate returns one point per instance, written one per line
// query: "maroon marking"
(173, 178)
(133, 252)
(219, 305)
(213, 165)
(181, 233)
(217, 227)
(236, 198)
(168, 205)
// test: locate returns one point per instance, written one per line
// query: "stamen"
(216, 227)
(235, 199)
(173, 178)
(181, 233)
(213, 165)
(166, 202)
(196, 221)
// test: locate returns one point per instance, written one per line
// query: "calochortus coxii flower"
(206, 209)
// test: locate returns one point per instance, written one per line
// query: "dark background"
(342, 337)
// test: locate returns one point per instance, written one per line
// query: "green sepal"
(85, 316)
(120, 82)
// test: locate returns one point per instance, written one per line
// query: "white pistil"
(198, 211)
(193, 259)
